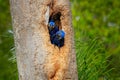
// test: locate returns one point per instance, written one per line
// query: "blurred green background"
(97, 36)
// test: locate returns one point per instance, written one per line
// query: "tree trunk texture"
(37, 58)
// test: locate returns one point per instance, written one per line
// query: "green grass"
(91, 60)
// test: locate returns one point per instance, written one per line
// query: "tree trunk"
(37, 58)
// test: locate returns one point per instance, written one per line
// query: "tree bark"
(37, 58)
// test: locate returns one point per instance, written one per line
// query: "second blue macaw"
(58, 38)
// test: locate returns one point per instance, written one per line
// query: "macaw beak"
(59, 37)
(51, 28)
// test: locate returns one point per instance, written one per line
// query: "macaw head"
(51, 25)
(60, 34)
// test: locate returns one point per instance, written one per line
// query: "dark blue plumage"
(58, 38)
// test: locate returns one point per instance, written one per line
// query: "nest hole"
(54, 26)
(56, 17)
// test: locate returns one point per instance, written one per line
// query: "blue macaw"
(52, 27)
(58, 38)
